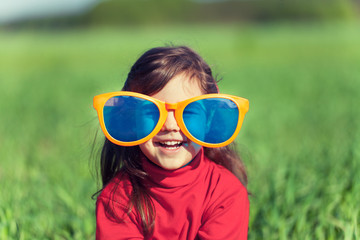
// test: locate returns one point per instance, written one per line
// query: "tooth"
(170, 143)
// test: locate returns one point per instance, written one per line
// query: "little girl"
(167, 169)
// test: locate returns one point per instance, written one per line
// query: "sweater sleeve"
(228, 216)
(113, 222)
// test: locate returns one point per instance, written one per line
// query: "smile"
(171, 144)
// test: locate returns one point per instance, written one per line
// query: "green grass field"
(300, 140)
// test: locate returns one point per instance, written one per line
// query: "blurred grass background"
(300, 140)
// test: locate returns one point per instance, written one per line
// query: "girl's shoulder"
(225, 194)
(118, 190)
(225, 181)
(113, 212)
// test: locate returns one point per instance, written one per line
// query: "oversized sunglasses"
(210, 120)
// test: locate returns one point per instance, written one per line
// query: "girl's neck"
(160, 177)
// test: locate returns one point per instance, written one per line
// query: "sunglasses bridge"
(171, 106)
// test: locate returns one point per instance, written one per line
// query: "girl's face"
(170, 148)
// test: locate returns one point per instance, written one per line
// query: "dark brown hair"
(150, 73)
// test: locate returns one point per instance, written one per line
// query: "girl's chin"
(170, 150)
(172, 159)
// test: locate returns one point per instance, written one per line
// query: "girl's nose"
(170, 123)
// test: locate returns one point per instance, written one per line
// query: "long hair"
(150, 73)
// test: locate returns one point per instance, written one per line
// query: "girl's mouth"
(171, 145)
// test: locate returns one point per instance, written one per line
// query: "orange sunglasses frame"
(99, 102)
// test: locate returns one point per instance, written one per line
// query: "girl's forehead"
(179, 88)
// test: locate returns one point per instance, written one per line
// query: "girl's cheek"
(196, 146)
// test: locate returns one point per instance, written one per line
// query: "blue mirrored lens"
(129, 118)
(212, 120)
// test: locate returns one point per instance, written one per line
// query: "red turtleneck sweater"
(199, 201)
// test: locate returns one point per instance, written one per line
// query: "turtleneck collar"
(160, 177)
